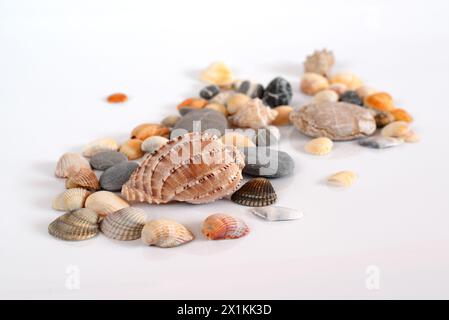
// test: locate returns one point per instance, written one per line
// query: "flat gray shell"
(267, 162)
(204, 119)
(380, 142)
(275, 213)
(115, 177)
(106, 159)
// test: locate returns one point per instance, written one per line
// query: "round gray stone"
(106, 159)
(201, 120)
(268, 163)
(115, 177)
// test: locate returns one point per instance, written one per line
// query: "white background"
(60, 59)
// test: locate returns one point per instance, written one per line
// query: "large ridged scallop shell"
(257, 192)
(105, 202)
(223, 226)
(70, 162)
(165, 233)
(254, 115)
(125, 224)
(100, 145)
(194, 168)
(84, 178)
(71, 199)
(81, 224)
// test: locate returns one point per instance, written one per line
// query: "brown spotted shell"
(124, 224)
(84, 178)
(81, 224)
(257, 192)
(194, 168)
(223, 226)
(70, 162)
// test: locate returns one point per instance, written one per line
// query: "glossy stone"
(201, 120)
(267, 162)
(106, 159)
(278, 93)
(114, 177)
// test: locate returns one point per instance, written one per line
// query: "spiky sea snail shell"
(223, 226)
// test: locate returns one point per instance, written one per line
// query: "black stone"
(351, 97)
(253, 90)
(209, 92)
(278, 93)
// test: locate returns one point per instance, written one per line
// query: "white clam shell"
(275, 213)
(100, 145)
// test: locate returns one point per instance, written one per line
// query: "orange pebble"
(132, 149)
(194, 103)
(147, 130)
(117, 98)
(401, 115)
(381, 101)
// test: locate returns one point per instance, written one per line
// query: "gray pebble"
(209, 92)
(115, 177)
(106, 159)
(266, 137)
(268, 163)
(201, 120)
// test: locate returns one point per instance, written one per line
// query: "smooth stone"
(266, 137)
(106, 159)
(185, 110)
(115, 177)
(380, 142)
(201, 120)
(278, 93)
(275, 213)
(267, 162)
(253, 90)
(153, 143)
(209, 92)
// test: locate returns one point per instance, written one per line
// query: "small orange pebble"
(147, 130)
(117, 98)
(132, 149)
(381, 101)
(194, 103)
(401, 115)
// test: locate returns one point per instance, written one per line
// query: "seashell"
(312, 83)
(76, 225)
(192, 103)
(320, 62)
(401, 115)
(193, 168)
(153, 143)
(132, 149)
(170, 121)
(209, 92)
(274, 213)
(84, 178)
(217, 73)
(117, 98)
(412, 137)
(268, 136)
(115, 177)
(396, 129)
(236, 139)
(253, 90)
(69, 163)
(379, 142)
(319, 146)
(351, 96)
(383, 118)
(105, 202)
(278, 93)
(106, 159)
(342, 179)
(326, 95)
(146, 130)
(339, 88)
(217, 107)
(282, 119)
(223, 226)
(350, 80)
(222, 97)
(257, 192)
(165, 233)
(125, 224)
(100, 145)
(237, 101)
(71, 199)
(365, 91)
(380, 101)
(254, 115)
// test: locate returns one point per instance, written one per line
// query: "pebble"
(203, 119)
(380, 101)
(365, 91)
(268, 163)
(217, 107)
(236, 101)
(401, 115)
(379, 142)
(397, 129)
(283, 117)
(339, 88)
(170, 121)
(209, 92)
(251, 89)
(114, 177)
(193, 103)
(117, 98)
(106, 159)
(153, 143)
(350, 80)
(351, 96)
(132, 149)
(383, 118)
(312, 83)
(326, 95)
(217, 73)
(266, 137)
(319, 146)
(342, 179)
(278, 93)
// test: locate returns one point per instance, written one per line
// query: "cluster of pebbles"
(105, 180)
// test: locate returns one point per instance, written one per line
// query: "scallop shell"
(100, 145)
(81, 224)
(320, 62)
(84, 178)
(275, 213)
(71, 199)
(194, 168)
(125, 224)
(105, 202)
(319, 146)
(257, 192)
(222, 226)
(342, 179)
(147, 130)
(165, 233)
(153, 143)
(69, 163)
(254, 115)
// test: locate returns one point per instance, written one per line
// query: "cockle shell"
(254, 115)
(99, 145)
(125, 224)
(105, 202)
(147, 130)
(81, 224)
(342, 179)
(379, 142)
(274, 213)
(257, 192)
(165, 233)
(319, 146)
(69, 163)
(321, 62)
(71, 199)
(153, 143)
(223, 226)
(194, 168)
(84, 178)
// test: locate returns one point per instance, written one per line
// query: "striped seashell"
(99, 145)
(165, 233)
(342, 179)
(105, 202)
(76, 225)
(84, 178)
(70, 162)
(124, 224)
(71, 199)
(257, 192)
(193, 168)
(222, 226)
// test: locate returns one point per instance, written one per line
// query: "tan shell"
(257, 192)
(84, 178)
(339, 88)
(132, 149)
(319, 146)
(125, 224)
(69, 163)
(71, 199)
(146, 130)
(254, 115)
(223, 226)
(77, 225)
(312, 83)
(237, 101)
(217, 107)
(365, 91)
(282, 119)
(412, 137)
(194, 168)
(320, 62)
(100, 145)
(327, 95)
(170, 121)
(342, 179)
(165, 233)
(105, 202)
(397, 129)
(350, 80)
(237, 139)
(217, 73)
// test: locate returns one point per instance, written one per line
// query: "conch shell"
(254, 115)
(194, 168)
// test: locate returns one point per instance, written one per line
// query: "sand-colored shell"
(312, 83)
(217, 107)
(397, 129)
(412, 137)
(125, 224)
(237, 139)
(132, 149)
(283, 116)
(349, 79)
(237, 101)
(165, 233)
(380, 101)
(84, 178)
(257, 192)
(321, 62)
(195, 168)
(339, 88)
(146, 130)
(275, 213)
(319, 146)
(170, 121)
(401, 115)
(153, 143)
(342, 179)
(105, 202)
(99, 145)
(71, 199)
(223, 226)
(365, 91)
(76, 225)
(193, 103)
(70, 163)
(327, 95)
(217, 73)
(254, 115)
